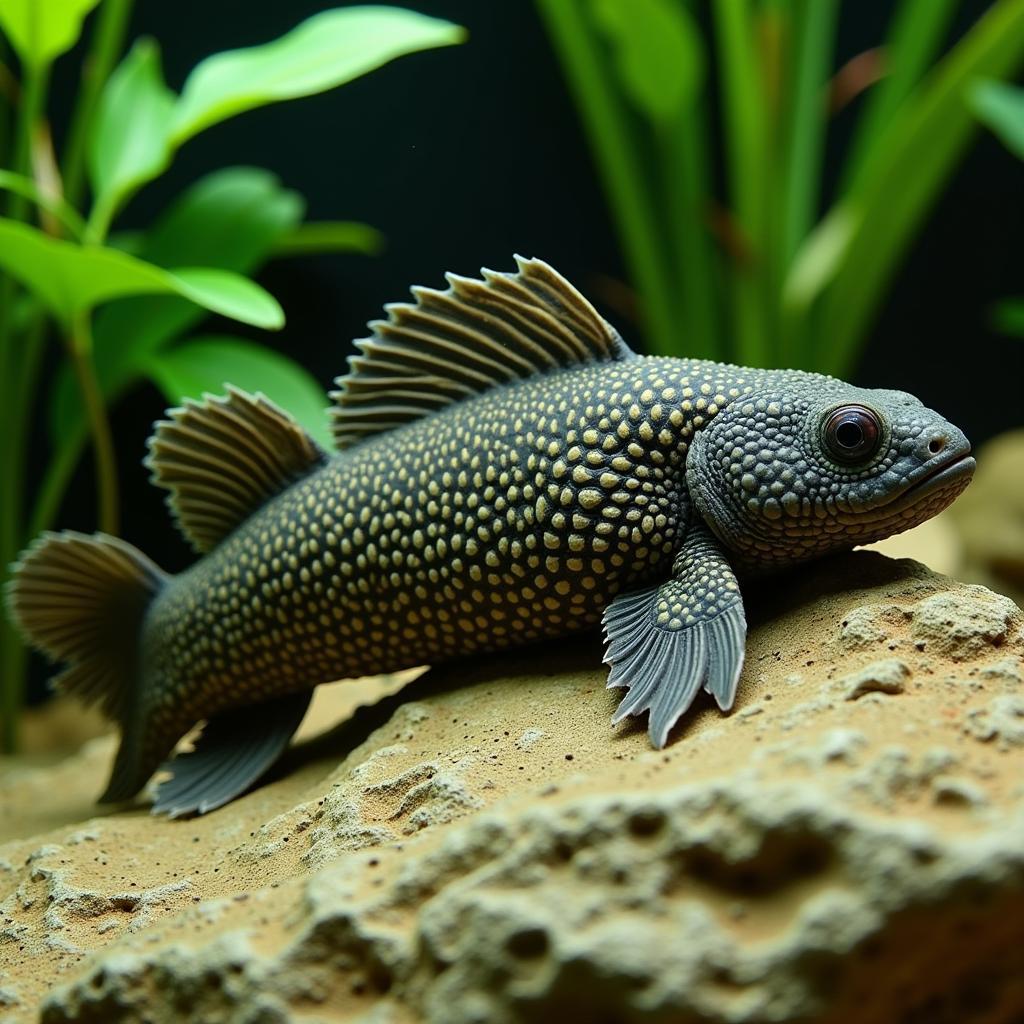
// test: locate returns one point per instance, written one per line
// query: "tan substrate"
(848, 845)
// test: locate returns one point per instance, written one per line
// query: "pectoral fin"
(233, 751)
(665, 642)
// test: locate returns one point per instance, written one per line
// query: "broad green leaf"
(659, 53)
(130, 141)
(331, 236)
(231, 219)
(72, 279)
(207, 364)
(1001, 108)
(322, 52)
(26, 187)
(41, 30)
(1008, 317)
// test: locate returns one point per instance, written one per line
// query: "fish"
(507, 470)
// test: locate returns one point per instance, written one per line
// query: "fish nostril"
(936, 444)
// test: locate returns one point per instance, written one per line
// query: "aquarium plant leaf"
(322, 52)
(330, 236)
(1000, 107)
(41, 30)
(52, 204)
(232, 219)
(130, 140)
(206, 364)
(887, 203)
(658, 51)
(72, 279)
(1008, 317)
(916, 32)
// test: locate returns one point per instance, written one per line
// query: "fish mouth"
(956, 472)
(929, 493)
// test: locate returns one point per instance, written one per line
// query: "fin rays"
(453, 344)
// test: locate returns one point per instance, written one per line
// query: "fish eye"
(851, 433)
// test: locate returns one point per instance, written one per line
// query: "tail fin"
(82, 600)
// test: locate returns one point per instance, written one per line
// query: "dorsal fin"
(222, 458)
(456, 343)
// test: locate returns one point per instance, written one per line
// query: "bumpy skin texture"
(515, 516)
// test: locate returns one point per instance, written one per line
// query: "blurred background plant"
(122, 308)
(1001, 107)
(760, 271)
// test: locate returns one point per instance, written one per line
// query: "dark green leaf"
(331, 236)
(659, 53)
(324, 51)
(207, 364)
(1001, 108)
(1008, 317)
(130, 141)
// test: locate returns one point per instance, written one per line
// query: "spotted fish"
(508, 470)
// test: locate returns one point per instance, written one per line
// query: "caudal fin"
(82, 600)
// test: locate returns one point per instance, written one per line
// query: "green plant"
(757, 275)
(122, 307)
(1001, 108)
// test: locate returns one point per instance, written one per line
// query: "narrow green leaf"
(41, 30)
(659, 54)
(1000, 107)
(616, 152)
(746, 123)
(322, 52)
(26, 187)
(1008, 317)
(891, 197)
(916, 33)
(72, 279)
(331, 236)
(231, 219)
(130, 142)
(207, 364)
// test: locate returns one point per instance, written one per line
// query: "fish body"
(510, 471)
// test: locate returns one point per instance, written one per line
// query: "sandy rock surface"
(480, 846)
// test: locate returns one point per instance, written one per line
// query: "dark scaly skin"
(515, 516)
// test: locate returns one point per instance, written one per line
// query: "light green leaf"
(41, 30)
(331, 236)
(56, 205)
(231, 219)
(207, 364)
(1008, 317)
(659, 53)
(1001, 108)
(72, 279)
(322, 52)
(130, 141)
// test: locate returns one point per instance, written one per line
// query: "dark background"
(465, 155)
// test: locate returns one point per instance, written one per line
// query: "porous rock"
(481, 846)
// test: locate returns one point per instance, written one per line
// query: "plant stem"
(684, 149)
(106, 45)
(80, 351)
(813, 26)
(745, 132)
(12, 653)
(616, 154)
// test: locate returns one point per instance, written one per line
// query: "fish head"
(812, 465)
